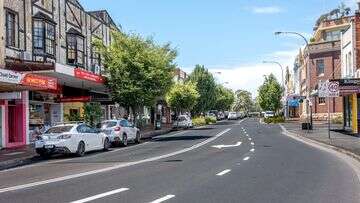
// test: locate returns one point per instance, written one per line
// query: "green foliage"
(337, 119)
(275, 119)
(210, 120)
(270, 94)
(199, 121)
(73, 117)
(182, 97)
(224, 98)
(243, 101)
(206, 86)
(138, 70)
(92, 113)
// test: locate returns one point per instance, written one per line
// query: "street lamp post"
(308, 107)
(282, 80)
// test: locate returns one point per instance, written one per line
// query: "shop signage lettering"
(10, 95)
(10, 76)
(40, 81)
(86, 75)
(75, 99)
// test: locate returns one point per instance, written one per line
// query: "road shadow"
(207, 128)
(225, 123)
(180, 138)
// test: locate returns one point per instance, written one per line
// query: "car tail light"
(117, 128)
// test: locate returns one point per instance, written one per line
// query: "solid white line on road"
(14, 153)
(167, 197)
(223, 172)
(246, 158)
(227, 146)
(252, 150)
(111, 168)
(252, 143)
(112, 192)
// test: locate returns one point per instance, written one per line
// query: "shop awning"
(76, 77)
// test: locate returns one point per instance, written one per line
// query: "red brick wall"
(332, 70)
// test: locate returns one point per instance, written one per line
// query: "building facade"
(49, 44)
(323, 57)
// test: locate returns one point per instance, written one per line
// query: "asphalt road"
(229, 162)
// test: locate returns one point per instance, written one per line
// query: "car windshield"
(59, 129)
(182, 118)
(108, 124)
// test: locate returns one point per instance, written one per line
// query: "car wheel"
(138, 138)
(124, 140)
(106, 144)
(81, 149)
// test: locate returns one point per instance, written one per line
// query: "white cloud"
(266, 10)
(251, 76)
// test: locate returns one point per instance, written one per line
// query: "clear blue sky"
(222, 35)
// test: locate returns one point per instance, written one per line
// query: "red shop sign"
(75, 99)
(40, 81)
(87, 75)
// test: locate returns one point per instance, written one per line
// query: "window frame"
(76, 50)
(15, 30)
(44, 38)
(317, 62)
(322, 100)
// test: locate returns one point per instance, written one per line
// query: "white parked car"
(71, 139)
(269, 114)
(183, 121)
(232, 116)
(120, 132)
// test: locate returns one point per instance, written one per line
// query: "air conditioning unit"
(25, 56)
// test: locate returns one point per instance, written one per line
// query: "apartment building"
(47, 44)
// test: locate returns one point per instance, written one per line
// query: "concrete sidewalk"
(320, 133)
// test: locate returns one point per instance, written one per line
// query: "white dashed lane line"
(162, 199)
(246, 158)
(252, 150)
(252, 143)
(223, 172)
(102, 195)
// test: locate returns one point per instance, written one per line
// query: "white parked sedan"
(232, 116)
(71, 139)
(121, 131)
(183, 121)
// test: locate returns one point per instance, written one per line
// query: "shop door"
(12, 124)
(1, 128)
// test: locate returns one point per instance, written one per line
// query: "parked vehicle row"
(236, 115)
(80, 138)
(183, 121)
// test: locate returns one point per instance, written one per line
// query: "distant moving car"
(269, 114)
(120, 132)
(71, 139)
(232, 116)
(183, 121)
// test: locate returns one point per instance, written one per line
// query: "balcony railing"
(324, 47)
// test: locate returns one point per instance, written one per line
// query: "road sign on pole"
(328, 89)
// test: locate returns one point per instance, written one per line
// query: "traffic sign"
(328, 89)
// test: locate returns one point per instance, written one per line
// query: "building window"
(43, 38)
(10, 25)
(320, 67)
(322, 100)
(332, 35)
(75, 50)
(95, 60)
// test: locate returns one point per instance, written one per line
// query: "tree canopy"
(138, 70)
(224, 98)
(206, 86)
(243, 101)
(182, 97)
(270, 93)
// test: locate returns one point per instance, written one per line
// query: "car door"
(125, 126)
(82, 135)
(93, 137)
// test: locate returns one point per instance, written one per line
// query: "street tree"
(182, 97)
(92, 113)
(269, 94)
(243, 101)
(137, 69)
(206, 86)
(224, 98)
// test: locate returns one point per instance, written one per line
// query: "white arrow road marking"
(227, 146)
(88, 199)
(252, 150)
(111, 168)
(246, 158)
(223, 172)
(167, 197)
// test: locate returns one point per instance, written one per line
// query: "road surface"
(233, 161)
